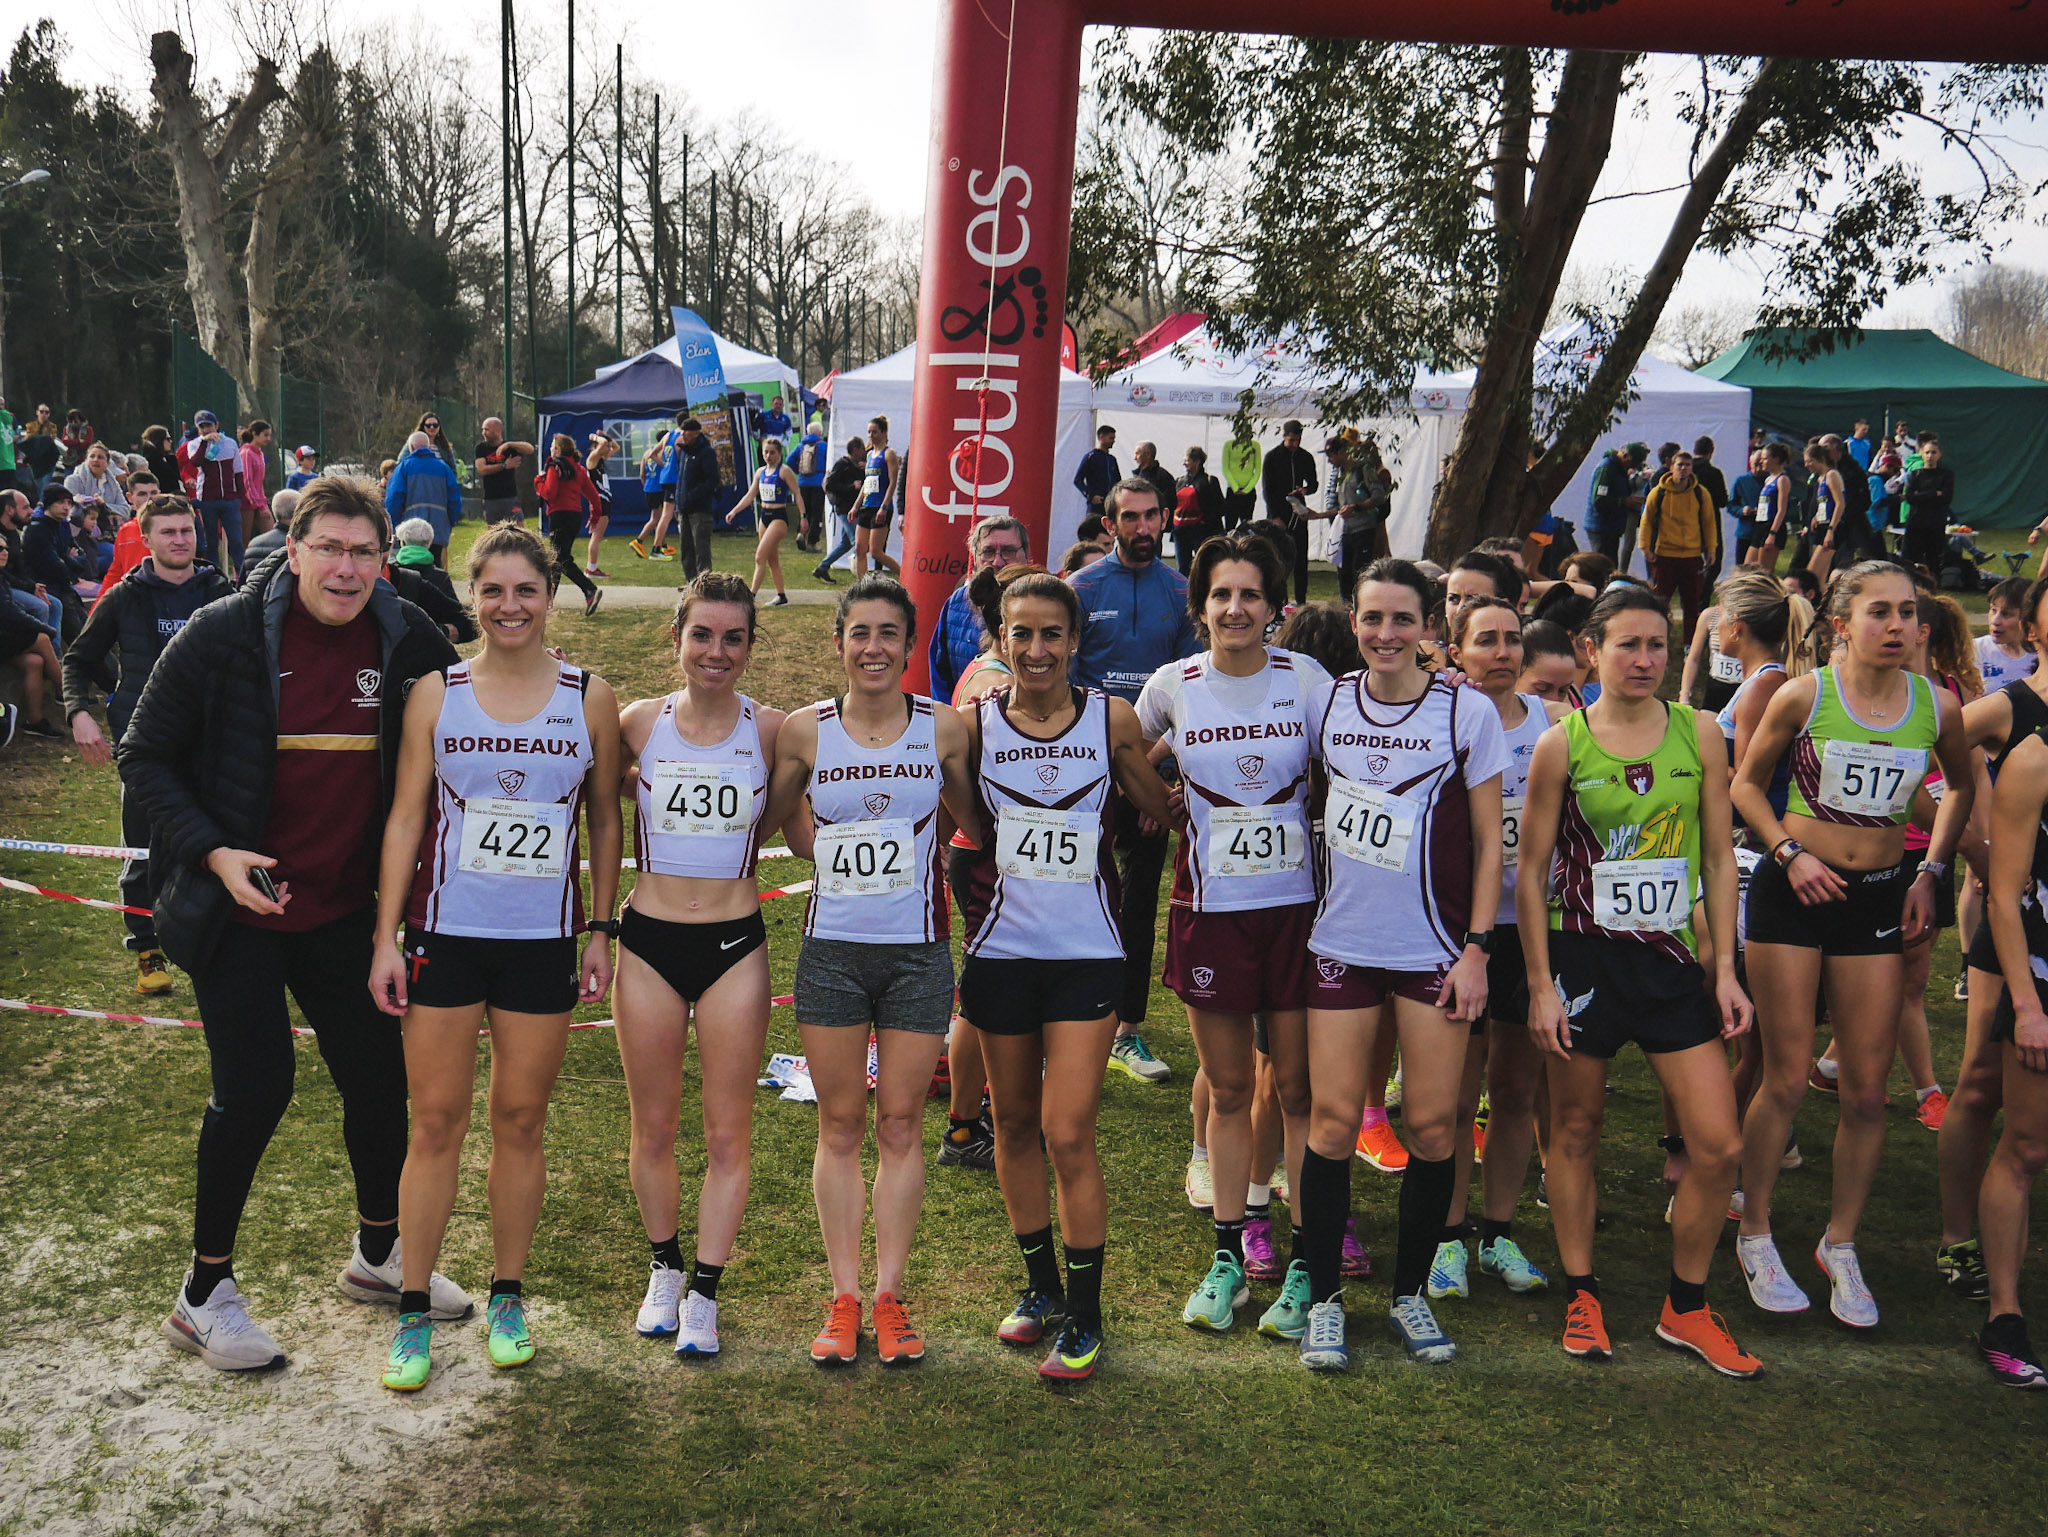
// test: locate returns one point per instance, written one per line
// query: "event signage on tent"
(1993, 424)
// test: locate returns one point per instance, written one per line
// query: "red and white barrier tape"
(796, 888)
(195, 1024)
(115, 851)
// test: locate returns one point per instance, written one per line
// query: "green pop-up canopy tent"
(1993, 424)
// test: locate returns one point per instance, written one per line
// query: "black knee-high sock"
(1425, 1192)
(1084, 1287)
(1325, 1202)
(1041, 1264)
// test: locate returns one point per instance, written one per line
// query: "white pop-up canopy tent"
(745, 369)
(883, 388)
(1185, 394)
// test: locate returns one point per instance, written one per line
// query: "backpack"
(807, 457)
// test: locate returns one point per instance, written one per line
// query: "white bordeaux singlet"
(698, 809)
(1046, 846)
(1246, 771)
(499, 856)
(1514, 797)
(877, 812)
(1397, 850)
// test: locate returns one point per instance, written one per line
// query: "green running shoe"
(1961, 1266)
(1447, 1276)
(1215, 1302)
(1504, 1258)
(510, 1343)
(1287, 1319)
(407, 1367)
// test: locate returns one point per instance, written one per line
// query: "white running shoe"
(1200, 1185)
(657, 1318)
(220, 1331)
(1848, 1298)
(382, 1283)
(697, 1335)
(1771, 1286)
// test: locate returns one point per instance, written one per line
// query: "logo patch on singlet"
(876, 801)
(509, 780)
(1376, 765)
(1047, 773)
(1640, 776)
(1329, 970)
(1203, 976)
(1250, 765)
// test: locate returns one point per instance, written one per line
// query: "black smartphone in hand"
(260, 879)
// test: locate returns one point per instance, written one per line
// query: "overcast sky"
(855, 85)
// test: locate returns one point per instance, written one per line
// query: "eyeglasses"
(430, 426)
(345, 554)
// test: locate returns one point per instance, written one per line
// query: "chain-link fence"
(199, 384)
(301, 419)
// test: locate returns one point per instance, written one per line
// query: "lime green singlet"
(1628, 845)
(1856, 775)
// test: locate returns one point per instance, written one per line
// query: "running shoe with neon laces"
(152, 973)
(1962, 1269)
(697, 1328)
(1130, 1054)
(1849, 1297)
(407, 1367)
(1706, 1336)
(1215, 1302)
(897, 1342)
(657, 1318)
(1415, 1326)
(1355, 1264)
(1771, 1286)
(1287, 1319)
(1504, 1258)
(220, 1331)
(838, 1342)
(1034, 1314)
(1932, 1109)
(1820, 1081)
(1200, 1185)
(1260, 1262)
(1075, 1354)
(366, 1282)
(972, 1146)
(2003, 1346)
(1479, 1118)
(1447, 1272)
(1585, 1329)
(1322, 1338)
(1380, 1145)
(510, 1344)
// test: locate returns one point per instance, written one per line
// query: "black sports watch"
(1483, 940)
(609, 927)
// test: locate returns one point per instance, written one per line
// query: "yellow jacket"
(1678, 525)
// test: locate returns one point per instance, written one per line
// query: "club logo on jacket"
(509, 780)
(1640, 776)
(1250, 765)
(876, 801)
(367, 679)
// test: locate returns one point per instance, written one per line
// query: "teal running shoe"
(1215, 1302)
(407, 1367)
(1322, 1344)
(1416, 1328)
(510, 1344)
(1504, 1258)
(1447, 1276)
(1287, 1319)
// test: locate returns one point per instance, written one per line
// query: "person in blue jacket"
(424, 487)
(1098, 470)
(1135, 620)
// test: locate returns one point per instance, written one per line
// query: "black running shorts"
(1616, 991)
(520, 976)
(1865, 922)
(1009, 997)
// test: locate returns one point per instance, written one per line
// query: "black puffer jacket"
(134, 622)
(199, 751)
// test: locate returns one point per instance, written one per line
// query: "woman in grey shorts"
(875, 762)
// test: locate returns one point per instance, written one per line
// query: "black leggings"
(563, 527)
(1140, 860)
(241, 992)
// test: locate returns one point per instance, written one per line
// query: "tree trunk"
(200, 173)
(259, 280)
(1475, 494)
(1584, 423)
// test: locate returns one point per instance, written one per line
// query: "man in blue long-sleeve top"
(1098, 471)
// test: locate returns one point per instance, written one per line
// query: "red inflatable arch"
(999, 193)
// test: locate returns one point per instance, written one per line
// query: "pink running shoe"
(1357, 1264)
(1260, 1262)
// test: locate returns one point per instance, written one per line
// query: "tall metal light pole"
(511, 406)
(29, 179)
(569, 172)
(619, 211)
(683, 233)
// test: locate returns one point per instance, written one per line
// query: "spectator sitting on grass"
(51, 545)
(25, 646)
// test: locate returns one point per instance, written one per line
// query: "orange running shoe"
(1706, 1336)
(1932, 1109)
(839, 1341)
(1585, 1331)
(1478, 1140)
(1380, 1146)
(896, 1341)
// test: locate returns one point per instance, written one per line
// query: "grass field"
(1179, 1432)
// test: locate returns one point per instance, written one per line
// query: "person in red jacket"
(567, 492)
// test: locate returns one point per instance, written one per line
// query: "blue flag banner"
(704, 389)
